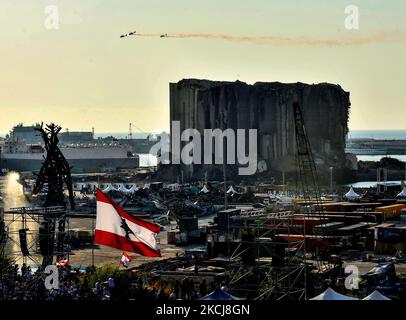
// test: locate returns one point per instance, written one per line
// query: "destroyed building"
(267, 107)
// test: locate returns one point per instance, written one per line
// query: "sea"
(378, 134)
(146, 160)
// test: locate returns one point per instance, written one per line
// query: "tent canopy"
(123, 189)
(376, 295)
(133, 188)
(403, 193)
(231, 190)
(220, 294)
(108, 188)
(330, 294)
(204, 189)
(351, 194)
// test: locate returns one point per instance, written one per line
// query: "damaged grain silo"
(267, 107)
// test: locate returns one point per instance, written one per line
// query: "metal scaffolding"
(268, 264)
(29, 241)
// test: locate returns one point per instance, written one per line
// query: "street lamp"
(331, 179)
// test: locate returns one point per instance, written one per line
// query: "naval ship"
(23, 150)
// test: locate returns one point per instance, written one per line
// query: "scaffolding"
(269, 263)
(29, 241)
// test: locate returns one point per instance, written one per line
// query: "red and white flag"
(116, 228)
(125, 260)
(62, 262)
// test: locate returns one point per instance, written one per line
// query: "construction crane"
(306, 166)
(308, 179)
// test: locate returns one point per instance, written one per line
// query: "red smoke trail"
(383, 37)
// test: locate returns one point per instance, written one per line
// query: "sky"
(83, 75)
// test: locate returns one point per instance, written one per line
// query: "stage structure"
(269, 262)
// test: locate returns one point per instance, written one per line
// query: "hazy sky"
(83, 75)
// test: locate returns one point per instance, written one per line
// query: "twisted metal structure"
(55, 170)
(54, 173)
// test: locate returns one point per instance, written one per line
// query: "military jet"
(164, 35)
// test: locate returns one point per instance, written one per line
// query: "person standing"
(203, 288)
(111, 286)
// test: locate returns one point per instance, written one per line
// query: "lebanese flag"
(116, 228)
(62, 262)
(125, 260)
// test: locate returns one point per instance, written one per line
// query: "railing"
(37, 210)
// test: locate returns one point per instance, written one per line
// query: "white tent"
(403, 193)
(146, 186)
(272, 195)
(351, 194)
(108, 188)
(330, 294)
(376, 295)
(133, 188)
(204, 189)
(174, 186)
(123, 189)
(231, 190)
(284, 200)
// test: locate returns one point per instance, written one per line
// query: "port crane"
(307, 174)
(308, 180)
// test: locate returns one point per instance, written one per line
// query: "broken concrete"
(267, 107)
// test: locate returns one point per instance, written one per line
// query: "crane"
(307, 176)
(306, 166)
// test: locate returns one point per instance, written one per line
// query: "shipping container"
(391, 248)
(327, 228)
(392, 212)
(188, 224)
(359, 206)
(355, 229)
(171, 237)
(390, 234)
(313, 242)
(333, 206)
(296, 223)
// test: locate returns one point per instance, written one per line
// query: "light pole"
(331, 179)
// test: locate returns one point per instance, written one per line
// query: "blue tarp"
(220, 294)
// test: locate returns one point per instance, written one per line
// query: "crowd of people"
(21, 283)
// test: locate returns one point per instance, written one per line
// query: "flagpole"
(93, 240)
